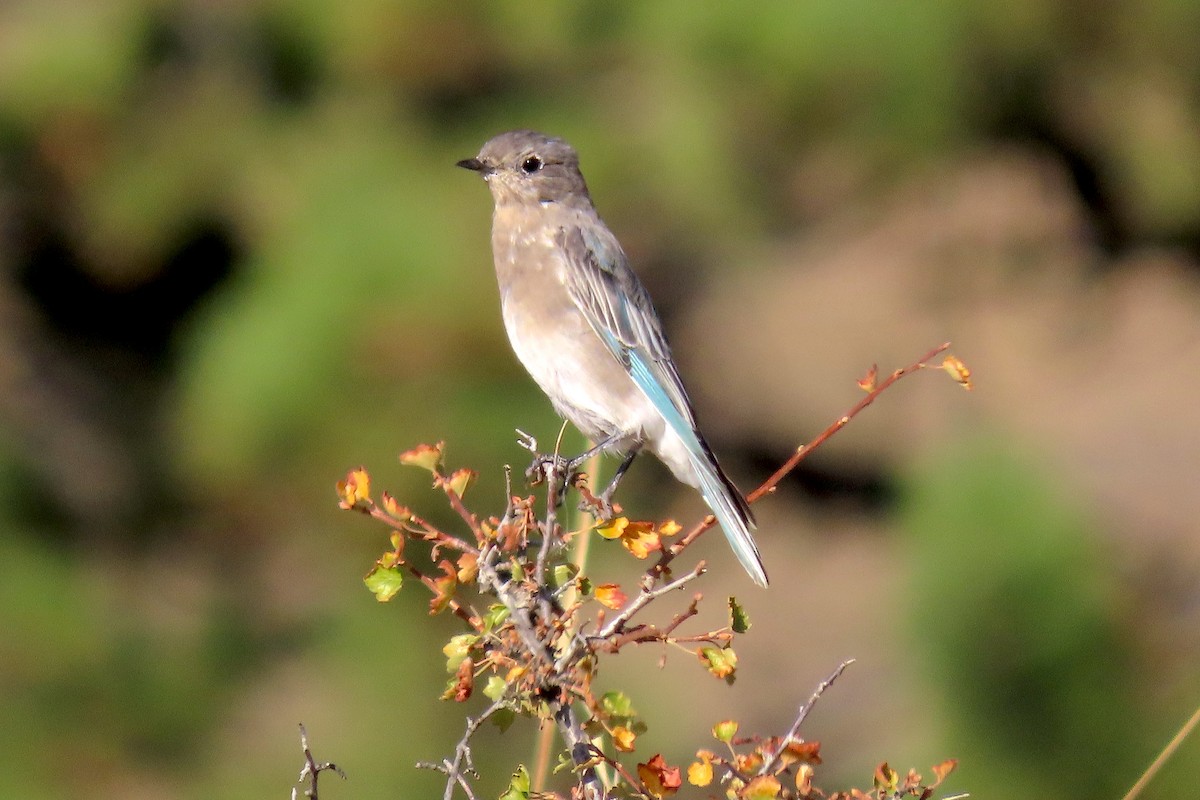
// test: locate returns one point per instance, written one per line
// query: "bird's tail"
(732, 512)
(665, 391)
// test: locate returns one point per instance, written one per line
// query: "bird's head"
(530, 167)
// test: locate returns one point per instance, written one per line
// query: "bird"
(584, 327)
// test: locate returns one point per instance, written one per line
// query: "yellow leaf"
(804, 779)
(959, 371)
(700, 773)
(623, 738)
(764, 787)
(613, 528)
(425, 456)
(460, 480)
(355, 491)
(669, 528)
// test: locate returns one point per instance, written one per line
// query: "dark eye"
(531, 165)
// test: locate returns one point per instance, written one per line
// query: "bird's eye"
(531, 165)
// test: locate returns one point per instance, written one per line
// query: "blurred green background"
(236, 260)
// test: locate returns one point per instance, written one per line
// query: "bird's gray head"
(530, 167)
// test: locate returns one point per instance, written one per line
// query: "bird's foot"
(552, 469)
(599, 506)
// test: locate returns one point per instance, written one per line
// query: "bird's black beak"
(473, 164)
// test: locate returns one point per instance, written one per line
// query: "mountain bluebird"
(583, 325)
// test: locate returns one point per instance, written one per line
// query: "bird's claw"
(548, 468)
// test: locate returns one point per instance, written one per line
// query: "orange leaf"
(468, 567)
(886, 778)
(640, 539)
(445, 588)
(659, 779)
(610, 595)
(940, 771)
(466, 681)
(806, 752)
(394, 509)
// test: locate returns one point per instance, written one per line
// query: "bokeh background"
(236, 260)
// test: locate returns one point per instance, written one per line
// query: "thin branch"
(312, 769)
(802, 714)
(440, 537)
(453, 770)
(801, 452)
(457, 504)
(615, 624)
(768, 486)
(463, 612)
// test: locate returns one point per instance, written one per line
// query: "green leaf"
(518, 787)
(503, 719)
(495, 688)
(458, 648)
(563, 573)
(725, 731)
(739, 620)
(721, 662)
(617, 704)
(495, 617)
(384, 582)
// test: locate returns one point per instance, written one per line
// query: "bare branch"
(311, 769)
(805, 709)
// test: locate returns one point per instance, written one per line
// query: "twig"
(453, 770)
(457, 504)
(768, 486)
(802, 714)
(1166, 753)
(801, 452)
(312, 769)
(615, 624)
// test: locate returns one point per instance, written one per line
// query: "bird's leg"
(599, 447)
(605, 497)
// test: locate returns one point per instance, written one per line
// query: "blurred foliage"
(237, 260)
(1026, 636)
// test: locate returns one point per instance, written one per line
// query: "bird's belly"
(583, 380)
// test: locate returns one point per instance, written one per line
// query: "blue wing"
(618, 308)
